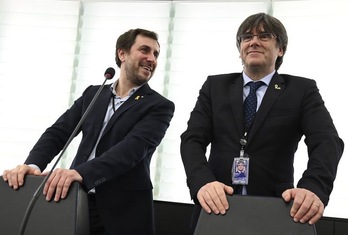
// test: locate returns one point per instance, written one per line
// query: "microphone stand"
(109, 74)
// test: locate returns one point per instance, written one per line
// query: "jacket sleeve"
(194, 142)
(56, 136)
(325, 147)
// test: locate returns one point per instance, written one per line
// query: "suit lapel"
(137, 98)
(97, 115)
(275, 88)
(100, 108)
(236, 99)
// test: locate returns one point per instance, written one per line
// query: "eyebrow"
(258, 31)
(148, 48)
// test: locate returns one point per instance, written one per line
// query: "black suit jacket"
(291, 108)
(120, 173)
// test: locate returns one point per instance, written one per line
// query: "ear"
(121, 54)
(281, 52)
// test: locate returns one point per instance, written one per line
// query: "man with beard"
(119, 137)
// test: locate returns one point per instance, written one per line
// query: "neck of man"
(123, 87)
(257, 73)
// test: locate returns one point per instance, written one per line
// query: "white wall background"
(51, 50)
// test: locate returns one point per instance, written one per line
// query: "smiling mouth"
(147, 68)
(252, 52)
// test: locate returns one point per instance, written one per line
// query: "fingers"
(228, 189)
(56, 186)
(320, 211)
(59, 182)
(287, 195)
(15, 176)
(307, 207)
(212, 197)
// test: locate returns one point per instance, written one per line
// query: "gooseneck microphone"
(109, 74)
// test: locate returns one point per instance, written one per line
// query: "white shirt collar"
(266, 79)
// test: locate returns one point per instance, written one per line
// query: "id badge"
(240, 171)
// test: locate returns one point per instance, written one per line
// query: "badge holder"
(240, 167)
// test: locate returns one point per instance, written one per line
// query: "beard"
(135, 75)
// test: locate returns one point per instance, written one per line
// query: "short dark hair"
(126, 40)
(271, 25)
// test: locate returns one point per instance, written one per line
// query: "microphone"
(109, 74)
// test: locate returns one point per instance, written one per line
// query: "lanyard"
(243, 142)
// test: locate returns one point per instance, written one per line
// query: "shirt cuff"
(35, 167)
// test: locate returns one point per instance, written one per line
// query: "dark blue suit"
(120, 173)
(291, 108)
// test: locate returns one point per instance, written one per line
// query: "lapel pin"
(138, 96)
(277, 87)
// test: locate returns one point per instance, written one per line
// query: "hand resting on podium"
(307, 207)
(57, 185)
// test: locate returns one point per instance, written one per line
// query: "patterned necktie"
(250, 103)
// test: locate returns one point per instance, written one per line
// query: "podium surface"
(68, 216)
(251, 215)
